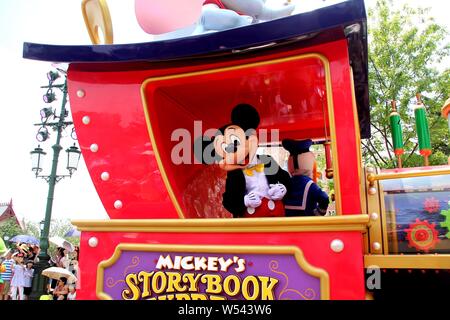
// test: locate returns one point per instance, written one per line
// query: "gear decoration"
(446, 223)
(422, 235)
(431, 205)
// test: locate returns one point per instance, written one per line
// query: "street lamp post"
(39, 282)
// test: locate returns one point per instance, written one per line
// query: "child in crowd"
(29, 271)
(18, 279)
(8, 265)
(72, 293)
(74, 268)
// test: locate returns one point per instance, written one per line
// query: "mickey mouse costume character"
(305, 197)
(255, 184)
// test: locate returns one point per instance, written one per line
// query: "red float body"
(118, 126)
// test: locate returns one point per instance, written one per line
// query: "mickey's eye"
(235, 140)
(224, 147)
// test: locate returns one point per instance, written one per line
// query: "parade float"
(168, 236)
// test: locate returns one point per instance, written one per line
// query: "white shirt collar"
(254, 161)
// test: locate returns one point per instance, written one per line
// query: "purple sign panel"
(180, 272)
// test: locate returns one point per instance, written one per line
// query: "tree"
(31, 228)
(405, 48)
(58, 227)
(8, 229)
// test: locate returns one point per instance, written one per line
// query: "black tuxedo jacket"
(233, 197)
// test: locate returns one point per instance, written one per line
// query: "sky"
(61, 22)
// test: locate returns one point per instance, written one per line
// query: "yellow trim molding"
(375, 226)
(254, 225)
(329, 92)
(278, 250)
(383, 218)
(356, 122)
(419, 261)
(371, 177)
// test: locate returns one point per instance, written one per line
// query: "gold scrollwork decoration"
(110, 283)
(134, 262)
(308, 294)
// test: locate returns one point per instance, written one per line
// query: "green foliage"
(436, 159)
(58, 227)
(32, 229)
(8, 229)
(405, 46)
(330, 184)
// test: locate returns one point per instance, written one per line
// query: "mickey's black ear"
(245, 116)
(204, 150)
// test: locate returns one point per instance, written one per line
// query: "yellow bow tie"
(257, 168)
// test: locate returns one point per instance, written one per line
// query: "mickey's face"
(235, 147)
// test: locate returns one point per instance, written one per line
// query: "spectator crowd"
(17, 272)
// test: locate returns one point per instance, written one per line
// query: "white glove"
(277, 191)
(252, 200)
